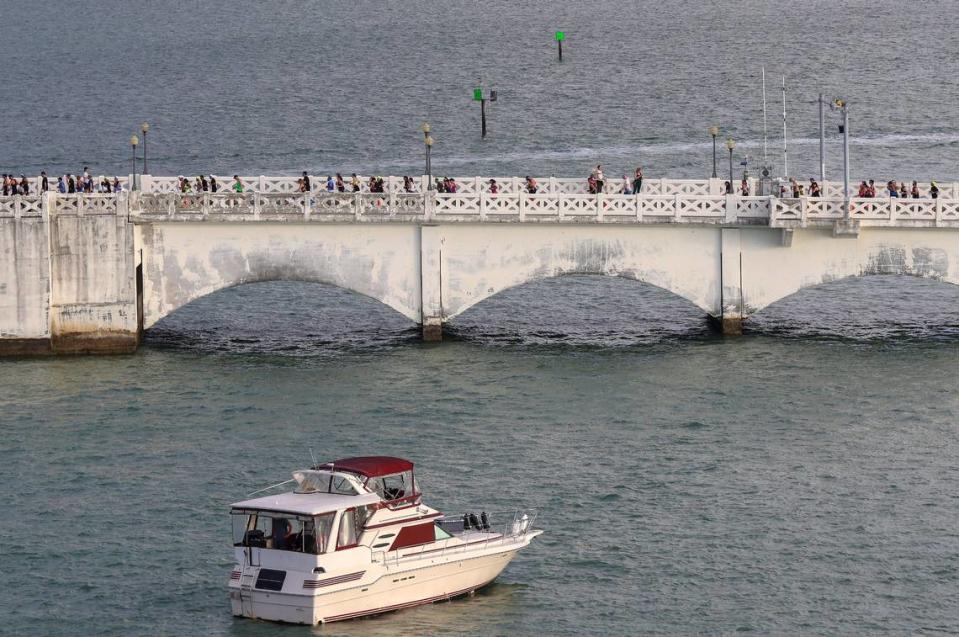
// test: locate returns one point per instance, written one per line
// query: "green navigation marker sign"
(478, 94)
(560, 36)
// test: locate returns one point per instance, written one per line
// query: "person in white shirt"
(599, 177)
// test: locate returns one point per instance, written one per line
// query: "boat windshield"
(283, 531)
(394, 487)
(314, 481)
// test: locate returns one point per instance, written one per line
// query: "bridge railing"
(465, 185)
(507, 185)
(519, 206)
(258, 205)
(19, 206)
(808, 211)
(88, 204)
(558, 207)
(514, 185)
(41, 205)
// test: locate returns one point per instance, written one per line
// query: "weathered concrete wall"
(771, 271)
(24, 286)
(93, 284)
(182, 262)
(67, 285)
(480, 260)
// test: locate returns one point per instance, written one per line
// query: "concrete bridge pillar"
(431, 277)
(93, 291)
(68, 281)
(732, 303)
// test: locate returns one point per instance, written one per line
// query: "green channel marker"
(560, 36)
(478, 94)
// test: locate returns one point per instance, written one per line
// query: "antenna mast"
(765, 160)
(272, 486)
(785, 153)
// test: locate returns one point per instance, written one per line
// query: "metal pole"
(133, 186)
(714, 157)
(845, 151)
(785, 153)
(730, 168)
(429, 169)
(822, 140)
(483, 114)
(765, 160)
(560, 43)
(145, 171)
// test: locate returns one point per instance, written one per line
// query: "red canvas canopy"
(370, 466)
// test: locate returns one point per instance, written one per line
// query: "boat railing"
(499, 528)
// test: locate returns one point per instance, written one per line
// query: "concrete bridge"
(87, 273)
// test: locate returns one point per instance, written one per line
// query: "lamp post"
(730, 145)
(145, 128)
(822, 139)
(841, 105)
(134, 142)
(714, 130)
(428, 141)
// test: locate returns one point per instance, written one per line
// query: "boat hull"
(383, 588)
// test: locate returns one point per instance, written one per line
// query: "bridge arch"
(771, 272)
(479, 262)
(181, 263)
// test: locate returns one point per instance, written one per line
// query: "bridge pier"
(727, 325)
(431, 281)
(432, 331)
(68, 284)
(730, 322)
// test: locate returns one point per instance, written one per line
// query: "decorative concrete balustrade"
(560, 200)
(24, 206)
(548, 208)
(507, 185)
(512, 185)
(809, 212)
(515, 207)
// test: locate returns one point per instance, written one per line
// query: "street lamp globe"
(714, 130)
(425, 127)
(730, 143)
(429, 140)
(145, 127)
(134, 140)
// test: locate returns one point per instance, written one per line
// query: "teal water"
(800, 479)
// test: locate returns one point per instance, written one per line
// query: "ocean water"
(801, 479)
(289, 85)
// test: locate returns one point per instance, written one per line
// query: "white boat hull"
(382, 588)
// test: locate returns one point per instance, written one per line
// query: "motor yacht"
(353, 538)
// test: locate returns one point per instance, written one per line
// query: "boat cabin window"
(347, 537)
(283, 532)
(394, 487)
(363, 515)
